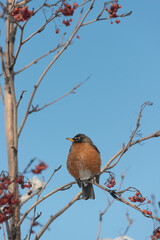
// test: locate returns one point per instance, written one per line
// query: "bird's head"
(80, 138)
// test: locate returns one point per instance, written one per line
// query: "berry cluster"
(20, 180)
(68, 10)
(21, 14)
(8, 201)
(137, 197)
(156, 234)
(39, 168)
(147, 212)
(117, 21)
(4, 182)
(113, 11)
(67, 22)
(111, 181)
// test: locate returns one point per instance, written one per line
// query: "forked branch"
(52, 218)
(130, 143)
(52, 62)
(36, 109)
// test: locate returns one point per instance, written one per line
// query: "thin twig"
(55, 170)
(154, 205)
(35, 193)
(3, 65)
(39, 223)
(39, 58)
(43, 198)
(20, 98)
(19, 47)
(100, 14)
(52, 62)
(107, 18)
(130, 221)
(129, 144)
(39, 8)
(33, 218)
(107, 207)
(28, 165)
(36, 109)
(60, 43)
(118, 197)
(1, 94)
(52, 218)
(32, 223)
(52, 5)
(41, 28)
(153, 135)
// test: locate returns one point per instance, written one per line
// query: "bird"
(84, 163)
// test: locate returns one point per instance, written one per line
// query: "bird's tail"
(87, 190)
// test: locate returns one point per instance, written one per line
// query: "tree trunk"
(11, 119)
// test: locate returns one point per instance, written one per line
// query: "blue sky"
(123, 61)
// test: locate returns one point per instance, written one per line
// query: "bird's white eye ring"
(77, 138)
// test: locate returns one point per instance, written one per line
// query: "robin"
(84, 163)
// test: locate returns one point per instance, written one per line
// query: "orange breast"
(83, 156)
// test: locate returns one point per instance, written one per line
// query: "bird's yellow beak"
(70, 139)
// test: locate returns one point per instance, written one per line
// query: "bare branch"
(39, 223)
(117, 195)
(52, 5)
(39, 58)
(33, 218)
(60, 43)
(28, 165)
(52, 218)
(39, 190)
(154, 205)
(130, 221)
(100, 14)
(20, 98)
(64, 187)
(153, 135)
(22, 3)
(130, 143)
(103, 19)
(1, 94)
(19, 47)
(41, 28)
(3, 65)
(52, 62)
(125, 14)
(107, 207)
(35, 193)
(36, 109)
(55, 170)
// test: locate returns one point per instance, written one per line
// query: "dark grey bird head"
(82, 138)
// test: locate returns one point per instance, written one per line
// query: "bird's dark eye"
(77, 139)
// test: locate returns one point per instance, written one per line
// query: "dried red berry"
(21, 14)
(117, 21)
